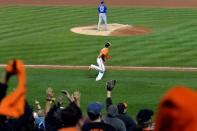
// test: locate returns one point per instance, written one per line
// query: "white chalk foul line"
(186, 69)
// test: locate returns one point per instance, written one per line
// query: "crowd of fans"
(177, 110)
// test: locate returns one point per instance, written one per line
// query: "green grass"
(40, 35)
(140, 89)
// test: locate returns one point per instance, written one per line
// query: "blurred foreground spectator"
(67, 118)
(119, 111)
(15, 113)
(70, 118)
(112, 111)
(112, 119)
(96, 122)
(177, 110)
(144, 120)
(122, 114)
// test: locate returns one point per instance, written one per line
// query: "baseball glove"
(110, 85)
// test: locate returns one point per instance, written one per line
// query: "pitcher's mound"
(112, 30)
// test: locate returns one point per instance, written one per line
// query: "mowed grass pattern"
(41, 35)
(140, 89)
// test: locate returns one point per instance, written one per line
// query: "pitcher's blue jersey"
(102, 8)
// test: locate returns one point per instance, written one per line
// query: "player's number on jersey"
(101, 8)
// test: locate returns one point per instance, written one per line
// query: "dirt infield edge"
(126, 68)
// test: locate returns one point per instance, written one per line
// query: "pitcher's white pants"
(102, 16)
(100, 68)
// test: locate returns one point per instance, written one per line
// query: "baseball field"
(38, 32)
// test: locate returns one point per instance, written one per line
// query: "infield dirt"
(114, 29)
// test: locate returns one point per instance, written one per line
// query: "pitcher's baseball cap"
(95, 108)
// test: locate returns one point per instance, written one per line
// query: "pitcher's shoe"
(90, 68)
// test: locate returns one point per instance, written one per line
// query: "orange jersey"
(13, 104)
(69, 129)
(104, 53)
